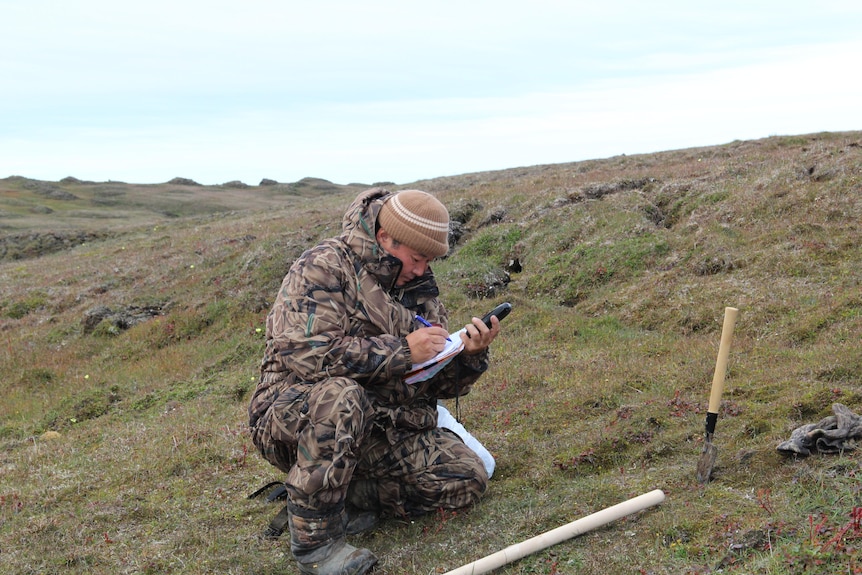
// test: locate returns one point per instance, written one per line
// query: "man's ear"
(382, 237)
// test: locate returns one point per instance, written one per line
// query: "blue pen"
(426, 323)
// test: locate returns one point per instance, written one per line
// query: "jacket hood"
(359, 225)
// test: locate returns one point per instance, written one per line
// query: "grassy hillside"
(128, 355)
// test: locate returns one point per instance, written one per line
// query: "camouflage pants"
(323, 435)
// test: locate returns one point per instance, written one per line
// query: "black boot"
(362, 493)
(318, 545)
(363, 506)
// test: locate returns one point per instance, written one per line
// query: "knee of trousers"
(474, 482)
(339, 416)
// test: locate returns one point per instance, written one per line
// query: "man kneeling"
(332, 409)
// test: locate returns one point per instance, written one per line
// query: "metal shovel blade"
(707, 460)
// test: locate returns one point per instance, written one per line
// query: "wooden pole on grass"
(560, 534)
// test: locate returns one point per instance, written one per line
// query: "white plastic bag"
(445, 420)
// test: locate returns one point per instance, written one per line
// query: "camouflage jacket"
(339, 314)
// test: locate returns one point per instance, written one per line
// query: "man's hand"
(478, 336)
(426, 342)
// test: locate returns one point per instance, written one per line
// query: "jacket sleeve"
(311, 327)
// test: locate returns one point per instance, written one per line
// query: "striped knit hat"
(418, 220)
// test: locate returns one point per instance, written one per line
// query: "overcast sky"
(370, 91)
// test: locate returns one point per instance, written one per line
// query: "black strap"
(277, 525)
(280, 491)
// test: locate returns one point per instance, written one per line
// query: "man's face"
(413, 264)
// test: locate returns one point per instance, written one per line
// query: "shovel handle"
(730, 314)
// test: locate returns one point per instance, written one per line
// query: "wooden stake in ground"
(560, 534)
(710, 451)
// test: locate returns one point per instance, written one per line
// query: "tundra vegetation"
(131, 322)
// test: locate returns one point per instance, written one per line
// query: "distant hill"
(38, 217)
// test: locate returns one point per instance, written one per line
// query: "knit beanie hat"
(418, 220)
